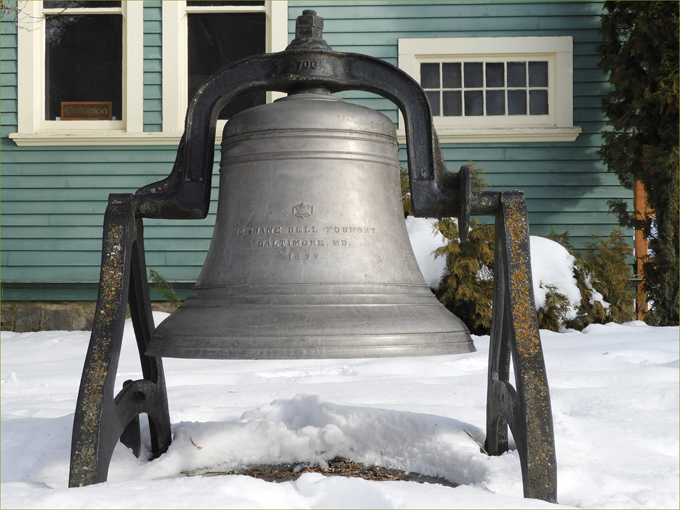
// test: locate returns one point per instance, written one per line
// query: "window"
(83, 61)
(79, 72)
(99, 84)
(487, 89)
(201, 37)
(495, 89)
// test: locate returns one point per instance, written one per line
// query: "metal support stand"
(514, 333)
(102, 419)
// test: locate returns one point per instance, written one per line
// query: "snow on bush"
(552, 265)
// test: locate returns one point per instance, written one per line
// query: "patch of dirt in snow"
(338, 466)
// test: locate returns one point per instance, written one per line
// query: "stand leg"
(100, 419)
(514, 334)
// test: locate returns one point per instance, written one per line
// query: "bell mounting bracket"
(309, 64)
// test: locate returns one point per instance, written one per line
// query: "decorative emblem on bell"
(303, 210)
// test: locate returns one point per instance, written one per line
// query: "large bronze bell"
(310, 257)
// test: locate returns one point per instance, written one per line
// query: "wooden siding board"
(152, 66)
(77, 245)
(7, 40)
(425, 10)
(153, 27)
(152, 51)
(153, 90)
(8, 66)
(8, 92)
(8, 118)
(152, 12)
(153, 105)
(152, 118)
(8, 105)
(74, 159)
(9, 80)
(160, 231)
(153, 39)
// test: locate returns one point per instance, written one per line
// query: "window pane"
(451, 75)
(429, 76)
(433, 98)
(473, 74)
(474, 103)
(495, 74)
(538, 102)
(517, 74)
(495, 102)
(74, 5)
(538, 74)
(210, 2)
(517, 102)
(216, 40)
(452, 103)
(83, 61)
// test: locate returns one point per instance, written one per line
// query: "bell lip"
(193, 347)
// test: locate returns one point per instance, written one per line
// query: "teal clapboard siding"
(53, 198)
(153, 67)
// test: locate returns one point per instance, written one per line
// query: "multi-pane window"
(495, 89)
(83, 60)
(487, 89)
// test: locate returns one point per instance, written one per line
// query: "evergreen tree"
(640, 53)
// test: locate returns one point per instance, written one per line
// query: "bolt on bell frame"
(102, 419)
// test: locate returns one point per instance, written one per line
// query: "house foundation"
(27, 316)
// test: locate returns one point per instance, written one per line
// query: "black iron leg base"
(100, 419)
(525, 408)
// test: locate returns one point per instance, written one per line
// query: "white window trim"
(558, 51)
(32, 127)
(175, 55)
(33, 130)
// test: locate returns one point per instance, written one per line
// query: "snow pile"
(425, 239)
(614, 392)
(308, 429)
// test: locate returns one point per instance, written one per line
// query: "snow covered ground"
(614, 394)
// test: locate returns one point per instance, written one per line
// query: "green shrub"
(164, 287)
(607, 261)
(553, 313)
(602, 269)
(466, 286)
